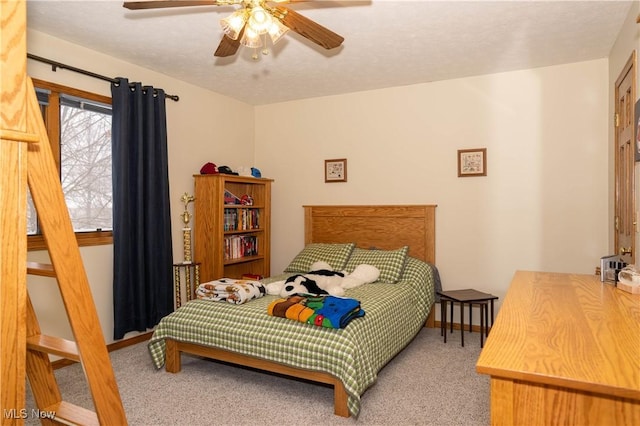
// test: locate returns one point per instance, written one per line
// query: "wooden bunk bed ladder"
(89, 347)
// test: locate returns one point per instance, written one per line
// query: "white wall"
(203, 126)
(541, 207)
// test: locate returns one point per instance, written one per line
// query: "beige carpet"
(429, 383)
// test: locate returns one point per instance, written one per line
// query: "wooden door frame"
(630, 66)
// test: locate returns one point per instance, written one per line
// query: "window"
(79, 128)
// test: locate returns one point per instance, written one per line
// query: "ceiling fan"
(253, 22)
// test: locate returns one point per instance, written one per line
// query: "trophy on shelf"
(186, 230)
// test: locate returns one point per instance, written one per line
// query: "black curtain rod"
(55, 65)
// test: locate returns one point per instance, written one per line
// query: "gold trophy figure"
(186, 230)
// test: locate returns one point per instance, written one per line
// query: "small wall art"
(335, 170)
(472, 162)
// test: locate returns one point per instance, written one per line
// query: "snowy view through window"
(85, 158)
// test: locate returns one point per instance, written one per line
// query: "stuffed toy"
(322, 280)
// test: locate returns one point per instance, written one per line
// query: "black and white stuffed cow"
(322, 280)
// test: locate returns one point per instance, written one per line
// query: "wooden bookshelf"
(230, 238)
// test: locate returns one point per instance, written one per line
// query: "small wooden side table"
(471, 297)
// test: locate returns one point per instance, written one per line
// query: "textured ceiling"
(387, 43)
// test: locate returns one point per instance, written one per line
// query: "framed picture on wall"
(335, 170)
(472, 162)
(636, 130)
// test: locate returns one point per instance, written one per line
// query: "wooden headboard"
(382, 227)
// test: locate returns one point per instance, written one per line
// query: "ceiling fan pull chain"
(255, 54)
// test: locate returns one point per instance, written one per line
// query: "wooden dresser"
(565, 349)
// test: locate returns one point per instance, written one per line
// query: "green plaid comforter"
(394, 313)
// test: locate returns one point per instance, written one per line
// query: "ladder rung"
(68, 413)
(43, 269)
(54, 345)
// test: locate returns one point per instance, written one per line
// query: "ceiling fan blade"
(308, 28)
(228, 46)
(137, 5)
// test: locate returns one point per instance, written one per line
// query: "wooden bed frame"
(382, 227)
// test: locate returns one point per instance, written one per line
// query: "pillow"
(389, 262)
(335, 255)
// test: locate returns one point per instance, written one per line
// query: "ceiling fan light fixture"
(232, 25)
(260, 20)
(277, 30)
(251, 38)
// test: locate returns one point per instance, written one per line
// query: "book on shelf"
(239, 246)
(241, 219)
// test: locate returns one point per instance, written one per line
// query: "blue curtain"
(142, 251)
